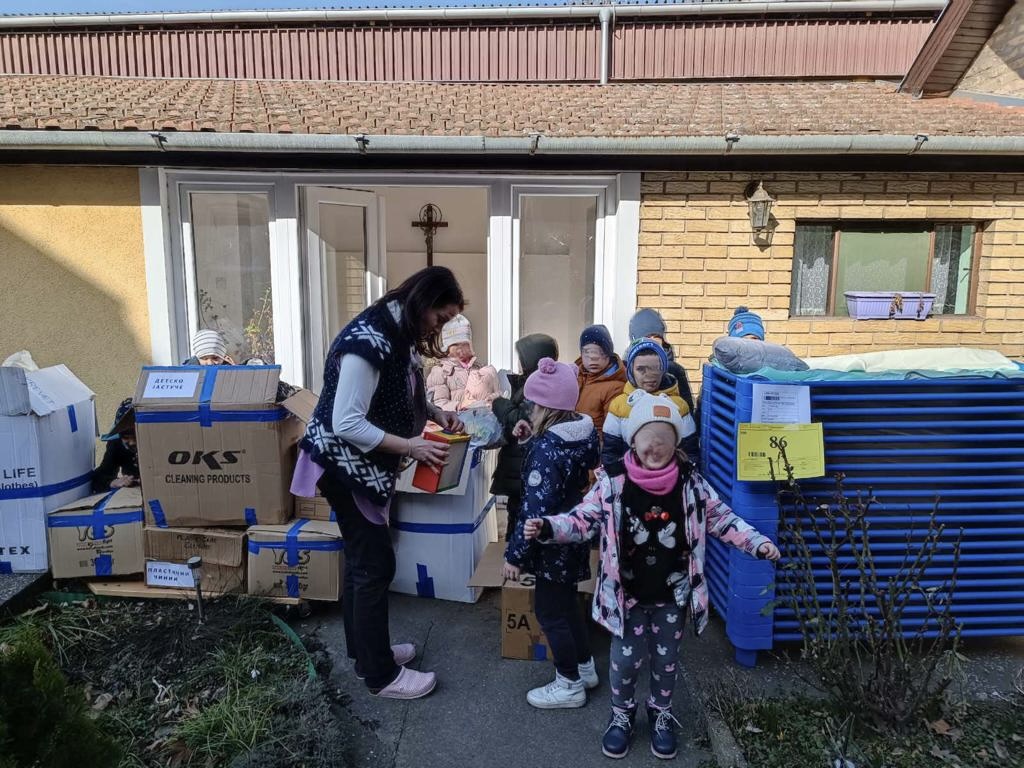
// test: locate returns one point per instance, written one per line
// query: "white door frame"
(166, 257)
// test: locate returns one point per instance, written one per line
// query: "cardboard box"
(97, 536)
(521, 635)
(314, 508)
(47, 451)
(433, 480)
(214, 447)
(222, 550)
(302, 559)
(439, 539)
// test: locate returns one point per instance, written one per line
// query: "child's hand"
(768, 551)
(522, 430)
(510, 572)
(532, 528)
(124, 481)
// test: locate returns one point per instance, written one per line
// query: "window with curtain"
(831, 259)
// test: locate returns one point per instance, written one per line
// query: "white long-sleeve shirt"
(357, 383)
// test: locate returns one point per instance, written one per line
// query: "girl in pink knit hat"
(561, 447)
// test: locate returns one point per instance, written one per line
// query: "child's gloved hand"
(532, 528)
(768, 551)
(510, 572)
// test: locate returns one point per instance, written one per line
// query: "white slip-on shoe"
(560, 693)
(410, 684)
(588, 674)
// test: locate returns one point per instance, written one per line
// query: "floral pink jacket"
(601, 510)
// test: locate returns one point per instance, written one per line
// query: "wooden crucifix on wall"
(431, 219)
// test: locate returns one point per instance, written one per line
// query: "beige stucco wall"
(697, 262)
(75, 285)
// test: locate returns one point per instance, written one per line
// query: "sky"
(127, 6)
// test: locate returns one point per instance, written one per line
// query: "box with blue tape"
(47, 453)
(301, 559)
(97, 536)
(215, 448)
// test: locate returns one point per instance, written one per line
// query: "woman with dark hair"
(370, 419)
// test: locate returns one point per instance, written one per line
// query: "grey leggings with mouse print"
(651, 632)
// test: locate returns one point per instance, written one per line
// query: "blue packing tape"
(540, 652)
(104, 565)
(206, 395)
(158, 513)
(449, 529)
(292, 539)
(334, 545)
(478, 456)
(333, 517)
(211, 416)
(42, 491)
(250, 516)
(5, 567)
(292, 585)
(424, 583)
(96, 522)
(73, 418)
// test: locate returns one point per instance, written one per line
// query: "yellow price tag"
(759, 449)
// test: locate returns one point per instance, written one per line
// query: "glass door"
(344, 265)
(557, 252)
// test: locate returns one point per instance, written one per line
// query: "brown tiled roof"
(620, 110)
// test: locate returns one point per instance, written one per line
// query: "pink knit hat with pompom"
(553, 385)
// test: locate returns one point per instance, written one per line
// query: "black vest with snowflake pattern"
(375, 336)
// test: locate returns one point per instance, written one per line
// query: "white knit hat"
(209, 342)
(646, 409)
(455, 330)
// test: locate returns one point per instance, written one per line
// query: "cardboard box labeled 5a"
(222, 551)
(47, 450)
(301, 559)
(215, 448)
(97, 536)
(521, 635)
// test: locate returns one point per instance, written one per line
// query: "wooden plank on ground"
(139, 589)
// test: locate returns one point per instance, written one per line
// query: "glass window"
(556, 267)
(231, 249)
(934, 258)
(342, 232)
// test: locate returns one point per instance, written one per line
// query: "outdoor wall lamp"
(759, 203)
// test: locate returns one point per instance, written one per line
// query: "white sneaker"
(560, 693)
(588, 674)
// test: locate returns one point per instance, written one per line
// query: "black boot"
(619, 735)
(663, 732)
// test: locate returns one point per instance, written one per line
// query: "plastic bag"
(483, 428)
(21, 360)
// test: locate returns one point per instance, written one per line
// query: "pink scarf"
(660, 482)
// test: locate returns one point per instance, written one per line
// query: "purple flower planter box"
(885, 305)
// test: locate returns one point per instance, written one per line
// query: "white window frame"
(167, 254)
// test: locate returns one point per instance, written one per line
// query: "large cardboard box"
(521, 635)
(47, 450)
(302, 559)
(222, 551)
(314, 508)
(214, 447)
(97, 536)
(439, 538)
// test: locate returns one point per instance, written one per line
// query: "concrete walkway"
(478, 716)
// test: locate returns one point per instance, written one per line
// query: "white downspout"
(605, 14)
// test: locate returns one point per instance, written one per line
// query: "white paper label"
(169, 575)
(781, 404)
(163, 384)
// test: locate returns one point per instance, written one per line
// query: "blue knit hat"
(646, 323)
(744, 322)
(644, 347)
(598, 334)
(124, 421)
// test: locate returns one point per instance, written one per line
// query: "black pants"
(369, 570)
(513, 506)
(558, 611)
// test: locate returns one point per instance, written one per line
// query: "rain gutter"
(731, 144)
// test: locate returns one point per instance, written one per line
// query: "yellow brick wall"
(697, 262)
(75, 282)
